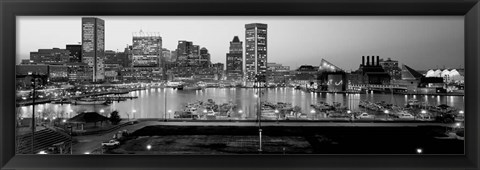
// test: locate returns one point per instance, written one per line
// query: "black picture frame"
(9, 9)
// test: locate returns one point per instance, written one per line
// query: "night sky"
(421, 42)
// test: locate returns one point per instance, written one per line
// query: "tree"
(297, 110)
(115, 117)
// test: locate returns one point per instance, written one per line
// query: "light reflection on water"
(151, 104)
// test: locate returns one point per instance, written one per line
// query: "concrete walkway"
(90, 143)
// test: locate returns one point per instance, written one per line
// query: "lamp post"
(278, 115)
(313, 112)
(165, 105)
(169, 112)
(34, 85)
(133, 113)
(71, 140)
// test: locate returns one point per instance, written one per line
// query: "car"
(445, 118)
(406, 116)
(111, 143)
(133, 122)
(365, 116)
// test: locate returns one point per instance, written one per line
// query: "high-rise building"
(93, 45)
(255, 50)
(235, 60)
(184, 50)
(167, 54)
(75, 53)
(204, 57)
(147, 49)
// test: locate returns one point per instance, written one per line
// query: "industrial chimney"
(373, 60)
(363, 60)
(368, 60)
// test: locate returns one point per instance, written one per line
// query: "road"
(89, 143)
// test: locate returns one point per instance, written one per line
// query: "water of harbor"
(151, 102)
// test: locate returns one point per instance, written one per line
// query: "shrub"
(115, 117)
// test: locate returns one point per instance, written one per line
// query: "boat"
(413, 103)
(89, 101)
(61, 101)
(269, 114)
(190, 87)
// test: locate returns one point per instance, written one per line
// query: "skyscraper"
(255, 50)
(235, 60)
(147, 49)
(147, 60)
(93, 46)
(204, 57)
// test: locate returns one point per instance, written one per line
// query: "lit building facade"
(146, 49)
(331, 78)
(255, 50)
(93, 46)
(54, 55)
(448, 75)
(204, 60)
(278, 73)
(235, 60)
(392, 68)
(75, 53)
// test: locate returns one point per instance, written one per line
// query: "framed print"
(254, 84)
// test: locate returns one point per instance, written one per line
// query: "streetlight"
(240, 111)
(71, 140)
(34, 84)
(278, 115)
(419, 150)
(423, 111)
(149, 147)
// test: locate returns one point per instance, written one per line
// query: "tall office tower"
(93, 46)
(147, 49)
(235, 60)
(255, 50)
(204, 57)
(184, 50)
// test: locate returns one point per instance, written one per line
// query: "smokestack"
(363, 60)
(378, 60)
(373, 60)
(368, 60)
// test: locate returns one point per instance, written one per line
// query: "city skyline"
(341, 40)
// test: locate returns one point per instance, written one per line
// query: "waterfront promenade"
(92, 143)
